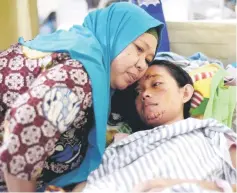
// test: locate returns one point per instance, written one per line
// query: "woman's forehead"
(153, 72)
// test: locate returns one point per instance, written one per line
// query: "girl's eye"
(157, 84)
(138, 91)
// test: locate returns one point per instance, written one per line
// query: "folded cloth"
(188, 63)
(200, 56)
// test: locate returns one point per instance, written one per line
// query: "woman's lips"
(134, 76)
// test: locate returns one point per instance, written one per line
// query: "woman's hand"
(79, 187)
(15, 184)
(155, 185)
(159, 184)
(120, 136)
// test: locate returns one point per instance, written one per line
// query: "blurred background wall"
(17, 18)
(208, 26)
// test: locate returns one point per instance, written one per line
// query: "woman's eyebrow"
(144, 43)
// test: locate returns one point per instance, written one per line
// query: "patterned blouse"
(46, 107)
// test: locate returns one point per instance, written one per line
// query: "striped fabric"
(202, 75)
(188, 149)
(197, 99)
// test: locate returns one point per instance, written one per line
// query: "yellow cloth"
(203, 86)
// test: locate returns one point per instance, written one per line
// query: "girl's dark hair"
(123, 101)
(181, 77)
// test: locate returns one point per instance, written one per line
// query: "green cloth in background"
(222, 100)
(200, 109)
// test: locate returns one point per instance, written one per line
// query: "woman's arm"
(79, 187)
(15, 184)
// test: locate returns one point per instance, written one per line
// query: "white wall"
(214, 39)
(176, 10)
(46, 6)
(70, 12)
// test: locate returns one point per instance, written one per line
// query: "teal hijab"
(104, 34)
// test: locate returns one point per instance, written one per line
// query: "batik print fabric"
(45, 102)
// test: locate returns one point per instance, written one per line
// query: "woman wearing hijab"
(56, 90)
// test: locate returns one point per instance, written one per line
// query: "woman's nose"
(141, 65)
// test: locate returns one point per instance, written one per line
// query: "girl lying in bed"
(179, 153)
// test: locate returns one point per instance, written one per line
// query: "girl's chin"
(153, 119)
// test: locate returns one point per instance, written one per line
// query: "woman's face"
(131, 64)
(160, 100)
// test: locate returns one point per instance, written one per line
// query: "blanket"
(188, 149)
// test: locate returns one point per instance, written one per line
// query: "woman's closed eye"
(139, 48)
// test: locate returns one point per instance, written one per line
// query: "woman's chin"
(122, 86)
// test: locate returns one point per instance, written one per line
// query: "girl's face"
(160, 100)
(131, 64)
